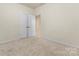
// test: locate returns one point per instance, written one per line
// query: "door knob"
(27, 27)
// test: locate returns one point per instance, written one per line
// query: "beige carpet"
(36, 47)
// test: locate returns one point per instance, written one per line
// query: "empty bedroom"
(39, 29)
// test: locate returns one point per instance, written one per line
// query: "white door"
(31, 25)
(27, 23)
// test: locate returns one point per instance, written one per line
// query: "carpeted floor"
(36, 47)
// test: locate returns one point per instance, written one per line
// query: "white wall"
(9, 21)
(60, 22)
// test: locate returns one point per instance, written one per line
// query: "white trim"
(61, 42)
(14, 39)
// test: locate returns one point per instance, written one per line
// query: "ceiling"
(33, 5)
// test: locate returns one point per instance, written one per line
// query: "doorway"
(38, 26)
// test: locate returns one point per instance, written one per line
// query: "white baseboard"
(13, 39)
(47, 38)
(61, 42)
(9, 40)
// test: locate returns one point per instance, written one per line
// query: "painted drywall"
(60, 22)
(10, 20)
